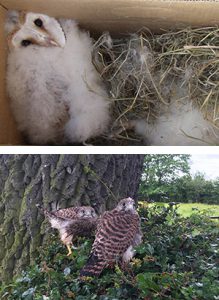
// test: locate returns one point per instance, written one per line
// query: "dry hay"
(144, 72)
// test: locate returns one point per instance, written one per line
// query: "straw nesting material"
(144, 73)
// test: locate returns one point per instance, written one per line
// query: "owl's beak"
(50, 42)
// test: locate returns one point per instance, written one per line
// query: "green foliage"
(160, 172)
(178, 259)
(165, 167)
(196, 189)
(166, 177)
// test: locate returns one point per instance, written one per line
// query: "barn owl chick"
(72, 222)
(118, 231)
(56, 93)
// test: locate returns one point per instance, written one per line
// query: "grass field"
(187, 209)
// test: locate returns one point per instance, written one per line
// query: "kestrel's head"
(26, 29)
(86, 212)
(127, 204)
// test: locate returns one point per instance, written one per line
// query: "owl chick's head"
(86, 212)
(26, 29)
(127, 204)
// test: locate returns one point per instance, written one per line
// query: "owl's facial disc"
(38, 29)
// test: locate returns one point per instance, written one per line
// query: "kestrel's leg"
(70, 247)
(69, 250)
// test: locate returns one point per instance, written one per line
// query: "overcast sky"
(205, 163)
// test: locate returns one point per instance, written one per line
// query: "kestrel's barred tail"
(48, 214)
(93, 267)
(56, 222)
(43, 210)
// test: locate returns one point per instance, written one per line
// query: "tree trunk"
(55, 181)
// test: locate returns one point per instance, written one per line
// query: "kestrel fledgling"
(118, 232)
(72, 222)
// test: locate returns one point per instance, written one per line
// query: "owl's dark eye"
(83, 211)
(124, 204)
(25, 43)
(38, 22)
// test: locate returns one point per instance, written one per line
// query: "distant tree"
(198, 186)
(182, 189)
(160, 173)
(197, 189)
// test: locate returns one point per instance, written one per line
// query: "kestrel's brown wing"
(60, 218)
(56, 218)
(81, 227)
(66, 213)
(115, 233)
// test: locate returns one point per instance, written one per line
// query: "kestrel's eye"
(25, 43)
(38, 22)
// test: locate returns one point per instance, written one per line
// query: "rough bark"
(55, 181)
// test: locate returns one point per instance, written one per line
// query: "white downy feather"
(180, 125)
(129, 253)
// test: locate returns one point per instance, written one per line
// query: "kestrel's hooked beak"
(130, 206)
(131, 203)
(88, 214)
